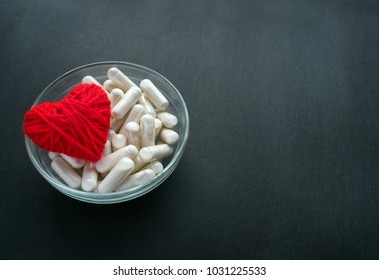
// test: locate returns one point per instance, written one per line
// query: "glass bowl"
(58, 89)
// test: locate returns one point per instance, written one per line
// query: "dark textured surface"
(282, 160)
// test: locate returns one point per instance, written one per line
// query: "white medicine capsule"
(126, 102)
(135, 114)
(111, 132)
(107, 148)
(66, 172)
(147, 128)
(52, 155)
(169, 136)
(149, 109)
(90, 80)
(74, 162)
(107, 163)
(168, 120)
(132, 134)
(115, 95)
(118, 141)
(89, 177)
(156, 166)
(120, 78)
(137, 179)
(154, 94)
(108, 85)
(158, 127)
(118, 174)
(152, 153)
(138, 164)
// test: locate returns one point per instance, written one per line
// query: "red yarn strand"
(77, 125)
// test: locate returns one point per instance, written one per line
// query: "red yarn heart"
(77, 125)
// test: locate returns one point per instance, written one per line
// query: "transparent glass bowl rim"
(126, 195)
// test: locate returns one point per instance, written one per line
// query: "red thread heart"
(77, 125)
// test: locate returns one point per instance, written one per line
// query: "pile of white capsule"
(141, 135)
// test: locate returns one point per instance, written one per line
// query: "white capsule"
(111, 132)
(117, 175)
(156, 166)
(74, 162)
(108, 85)
(169, 136)
(52, 155)
(126, 102)
(132, 134)
(158, 127)
(135, 114)
(148, 107)
(137, 179)
(66, 172)
(115, 95)
(152, 153)
(89, 177)
(154, 94)
(138, 164)
(107, 148)
(120, 78)
(147, 130)
(168, 120)
(90, 80)
(118, 141)
(107, 163)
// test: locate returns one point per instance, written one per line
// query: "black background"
(282, 160)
